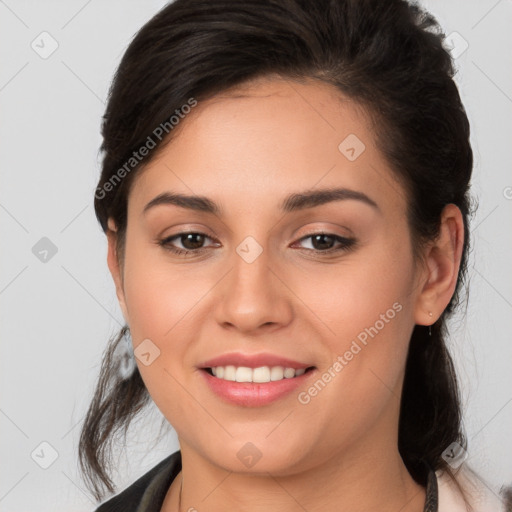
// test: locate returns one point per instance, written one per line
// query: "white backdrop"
(57, 62)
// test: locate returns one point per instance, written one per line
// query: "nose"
(253, 296)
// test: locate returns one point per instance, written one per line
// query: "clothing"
(147, 494)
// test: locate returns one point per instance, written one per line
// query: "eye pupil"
(192, 237)
(322, 237)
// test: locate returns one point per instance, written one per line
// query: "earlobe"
(442, 267)
(114, 266)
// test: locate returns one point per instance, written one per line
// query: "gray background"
(57, 315)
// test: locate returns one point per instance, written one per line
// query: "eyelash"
(346, 243)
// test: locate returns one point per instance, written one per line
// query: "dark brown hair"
(388, 57)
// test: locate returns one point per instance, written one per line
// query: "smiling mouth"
(260, 375)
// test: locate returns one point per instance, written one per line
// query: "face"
(329, 283)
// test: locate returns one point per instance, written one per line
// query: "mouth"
(255, 387)
(259, 375)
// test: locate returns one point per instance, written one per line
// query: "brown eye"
(326, 242)
(191, 242)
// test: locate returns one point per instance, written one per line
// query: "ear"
(442, 267)
(114, 267)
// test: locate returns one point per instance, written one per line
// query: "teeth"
(261, 374)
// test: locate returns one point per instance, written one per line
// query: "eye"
(326, 242)
(191, 242)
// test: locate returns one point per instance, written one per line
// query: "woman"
(285, 196)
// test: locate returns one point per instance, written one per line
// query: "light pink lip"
(254, 394)
(252, 361)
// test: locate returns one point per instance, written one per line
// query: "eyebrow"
(291, 203)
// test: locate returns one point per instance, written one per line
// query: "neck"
(346, 482)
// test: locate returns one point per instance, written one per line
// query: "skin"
(246, 150)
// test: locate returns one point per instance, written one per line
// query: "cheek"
(159, 295)
(166, 305)
(366, 306)
(351, 296)
(162, 305)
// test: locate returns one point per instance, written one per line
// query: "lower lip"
(253, 394)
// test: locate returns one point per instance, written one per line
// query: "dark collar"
(432, 498)
(147, 494)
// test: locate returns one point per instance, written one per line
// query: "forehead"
(258, 142)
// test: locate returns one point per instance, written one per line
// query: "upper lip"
(252, 361)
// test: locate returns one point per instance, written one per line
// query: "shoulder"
(148, 490)
(478, 494)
